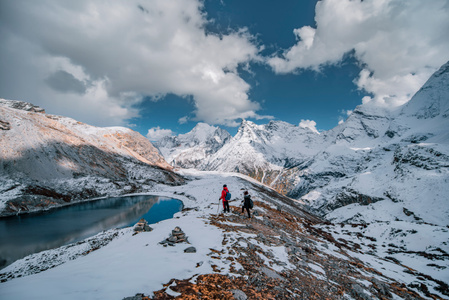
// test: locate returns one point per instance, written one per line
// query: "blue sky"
(323, 96)
(161, 66)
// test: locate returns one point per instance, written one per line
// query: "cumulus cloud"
(399, 44)
(309, 124)
(110, 55)
(156, 133)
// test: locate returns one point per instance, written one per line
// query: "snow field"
(138, 263)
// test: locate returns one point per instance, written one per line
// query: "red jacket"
(223, 193)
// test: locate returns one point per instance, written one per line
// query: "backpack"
(228, 196)
(251, 203)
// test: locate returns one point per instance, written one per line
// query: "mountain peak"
(246, 123)
(204, 133)
(21, 105)
(432, 100)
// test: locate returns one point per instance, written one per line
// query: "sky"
(161, 66)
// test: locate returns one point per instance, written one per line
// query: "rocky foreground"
(282, 252)
(314, 266)
(312, 272)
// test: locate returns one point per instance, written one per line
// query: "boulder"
(239, 295)
(190, 250)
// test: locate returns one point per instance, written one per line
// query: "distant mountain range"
(376, 155)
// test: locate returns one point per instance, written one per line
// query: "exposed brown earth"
(304, 243)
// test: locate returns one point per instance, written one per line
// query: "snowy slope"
(55, 159)
(401, 160)
(281, 253)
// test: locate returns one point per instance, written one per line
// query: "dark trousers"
(226, 206)
(247, 209)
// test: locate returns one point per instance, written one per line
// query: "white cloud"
(398, 43)
(309, 124)
(183, 120)
(156, 133)
(122, 48)
(345, 113)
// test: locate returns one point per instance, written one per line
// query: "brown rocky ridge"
(316, 265)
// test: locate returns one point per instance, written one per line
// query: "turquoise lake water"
(27, 234)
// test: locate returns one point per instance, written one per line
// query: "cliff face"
(51, 155)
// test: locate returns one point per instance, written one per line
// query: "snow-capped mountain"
(47, 159)
(189, 150)
(399, 157)
(268, 152)
(376, 155)
(261, 151)
(385, 172)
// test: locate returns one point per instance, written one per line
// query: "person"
(246, 203)
(223, 197)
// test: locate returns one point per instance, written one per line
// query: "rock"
(173, 239)
(382, 288)
(272, 274)
(136, 297)
(138, 228)
(5, 125)
(190, 250)
(359, 293)
(142, 225)
(287, 240)
(177, 231)
(292, 250)
(267, 222)
(239, 295)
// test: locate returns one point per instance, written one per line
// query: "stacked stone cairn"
(141, 226)
(176, 236)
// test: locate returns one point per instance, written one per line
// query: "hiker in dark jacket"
(246, 203)
(223, 197)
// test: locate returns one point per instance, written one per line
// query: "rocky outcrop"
(347, 197)
(22, 105)
(4, 125)
(306, 270)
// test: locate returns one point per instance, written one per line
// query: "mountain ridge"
(345, 165)
(48, 160)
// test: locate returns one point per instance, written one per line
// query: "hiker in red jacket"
(223, 197)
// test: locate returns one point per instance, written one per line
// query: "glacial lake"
(28, 234)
